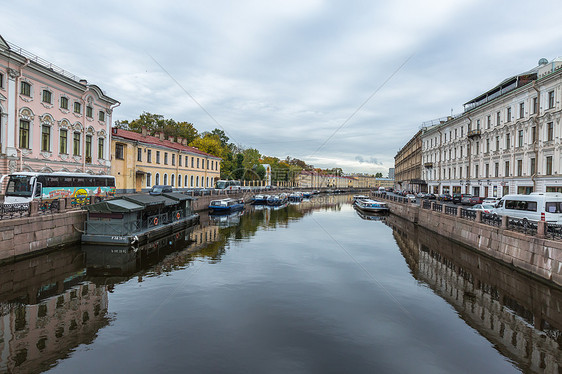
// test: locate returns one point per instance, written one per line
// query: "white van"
(538, 206)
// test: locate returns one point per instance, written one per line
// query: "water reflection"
(47, 309)
(520, 316)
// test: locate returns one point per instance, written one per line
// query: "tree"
(378, 175)
(210, 144)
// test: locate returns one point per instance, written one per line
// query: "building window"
(101, 117)
(179, 160)
(77, 107)
(551, 100)
(497, 143)
(535, 105)
(487, 145)
(498, 118)
(520, 138)
(507, 141)
(149, 156)
(186, 161)
(550, 131)
(487, 170)
(191, 185)
(186, 180)
(477, 147)
(46, 138)
(506, 171)
(64, 102)
(519, 168)
(89, 112)
(173, 159)
(25, 89)
(179, 177)
(119, 151)
(533, 134)
(63, 140)
(549, 165)
(192, 160)
(148, 180)
(488, 121)
(157, 158)
(208, 160)
(533, 166)
(165, 178)
(476, 174)
(89, 148)
(497, 169)
(24, 134)
(165, 158)
(173, 180)
(508, 116)
(139, 154)
(157, 178)
(197, 181)
(477, 125)
(1, 80)
(76, 150)
(521, 110)
(101, 142)
(197, 163)
(47, 97)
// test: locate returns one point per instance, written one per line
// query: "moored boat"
(369, 205)
(137, 219)
(260, 199)
(226, 205)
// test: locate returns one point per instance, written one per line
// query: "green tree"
(210, 144)
(378, 175)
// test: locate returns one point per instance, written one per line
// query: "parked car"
(465, 200)
(533, 207)
(491, 200)
(444, 197)
(475, 200)
(485, 208)
(159, 189)
(457, 197)
(411, 198)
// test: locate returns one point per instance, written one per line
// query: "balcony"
(474, 134)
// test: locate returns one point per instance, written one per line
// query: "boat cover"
(178, 196)
(145, 199)
(114, 206)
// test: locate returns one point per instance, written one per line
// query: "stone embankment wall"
(537, 256)
(26, 236)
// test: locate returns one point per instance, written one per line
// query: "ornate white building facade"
(508, 140)
(50, 119)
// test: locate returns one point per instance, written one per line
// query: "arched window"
(191, 185)
(197, 181)
(148, 180)
(186, 184)
(207, 182)
(172, 180)
(157, 178)
(179, 177)
(165, 178)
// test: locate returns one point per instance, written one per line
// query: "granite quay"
(529, 247)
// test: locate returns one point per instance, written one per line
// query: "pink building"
(50, 120)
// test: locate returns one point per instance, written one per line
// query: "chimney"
(179, 140)
(161, 134)
(184, 141)
(144, 131)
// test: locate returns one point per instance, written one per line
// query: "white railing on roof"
(437, 121)
(42, 62)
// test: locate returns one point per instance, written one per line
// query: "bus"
(23, 187)
(228, 185)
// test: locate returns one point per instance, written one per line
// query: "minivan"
(159, 189)
(534, 207)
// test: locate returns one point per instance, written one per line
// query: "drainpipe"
(27, 62)
(535, 148)
(109, 133)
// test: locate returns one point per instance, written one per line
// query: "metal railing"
(468, 214)
(8, 211)
(426, 204)
(491, 219)
(450, 210)
(437, 207)
(522, 225)
(553, 231)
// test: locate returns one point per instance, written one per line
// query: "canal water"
(310, 288)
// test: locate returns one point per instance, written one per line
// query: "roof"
(177, 196)
(149, 139)
(145, 199)
(114, 206)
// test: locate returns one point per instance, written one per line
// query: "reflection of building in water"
(520, 316)
(203, 235)
(34, 336)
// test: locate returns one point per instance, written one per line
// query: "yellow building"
(139, 161)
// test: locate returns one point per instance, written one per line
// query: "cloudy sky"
(335, 83)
